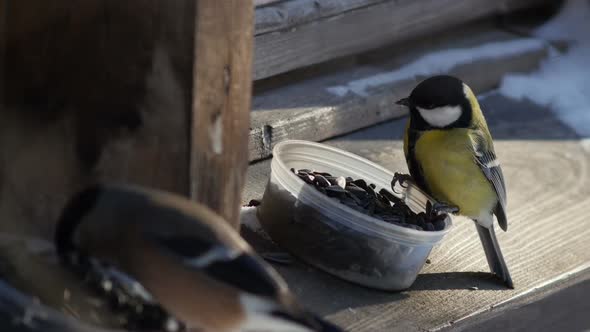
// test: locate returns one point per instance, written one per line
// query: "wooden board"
(547, 309)
(285, 15)
(300, 44)
(547, 174)
(221, 109)
(308, 110)
(259, 3)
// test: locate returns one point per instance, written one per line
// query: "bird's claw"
(439, 208)
(402, 179)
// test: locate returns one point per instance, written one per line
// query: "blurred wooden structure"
(158, 92)
(149, 92)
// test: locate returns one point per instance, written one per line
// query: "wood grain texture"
(258, 3)
(285, 15)
(328, 36)
(547, 173)
(221, 109)
(307, 110)
(98, 90)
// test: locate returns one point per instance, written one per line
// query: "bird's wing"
(267, 297)
(233, 267)
(490, 166)
(410, 138)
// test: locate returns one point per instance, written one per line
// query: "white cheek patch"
(441, 116)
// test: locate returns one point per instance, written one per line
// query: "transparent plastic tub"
(333, 237)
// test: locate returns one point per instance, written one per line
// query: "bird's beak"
(404, 102)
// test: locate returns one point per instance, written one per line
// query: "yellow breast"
(451, 173)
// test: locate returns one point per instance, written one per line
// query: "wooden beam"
(285, 15)
(221, 109)
(300, 33)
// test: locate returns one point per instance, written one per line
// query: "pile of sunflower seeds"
(364, 197)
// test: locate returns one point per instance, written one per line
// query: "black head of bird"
(185, 256)
(440, 102)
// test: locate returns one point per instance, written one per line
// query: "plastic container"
(333, 237)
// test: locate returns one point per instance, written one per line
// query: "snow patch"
(438, 63)
(562, 83)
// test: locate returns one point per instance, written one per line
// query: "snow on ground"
(562, 83)
(438, 63)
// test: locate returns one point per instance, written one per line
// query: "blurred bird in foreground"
(188, 259)
(450, 155)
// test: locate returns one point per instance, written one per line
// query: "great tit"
(450, 155)
(187, 257)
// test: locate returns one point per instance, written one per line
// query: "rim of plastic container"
(343, 213)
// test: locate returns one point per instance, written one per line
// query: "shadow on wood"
(103, 90)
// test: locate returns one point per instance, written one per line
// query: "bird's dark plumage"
(73, 213)
(438, 91)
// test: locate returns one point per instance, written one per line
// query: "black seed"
(361, 183)
(254, 202)
(322, 173)
(362, 197)
(321, 181)
(439, 225)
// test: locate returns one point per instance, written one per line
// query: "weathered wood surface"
(221, 109)
(290, 14)
(547, 172)
(93, 90)
(300, 33)
(309, 110)
(104, 90)
(560, 307)
(258, 3)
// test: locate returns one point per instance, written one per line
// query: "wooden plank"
(308, 37)
(284, 15)
(548, 309)
(221, 109)
(98, 90)
(546, 238)
(308, 110)
(258, 3)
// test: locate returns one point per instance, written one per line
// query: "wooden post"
(138, 91)
(221, 109)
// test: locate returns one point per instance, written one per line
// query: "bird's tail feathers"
(494, 254)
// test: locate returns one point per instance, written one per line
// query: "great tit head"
(439, 102)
